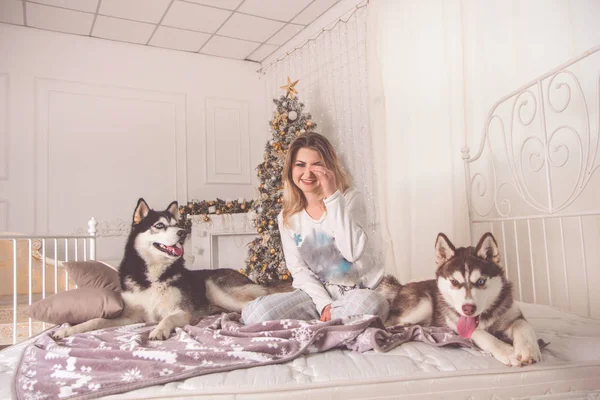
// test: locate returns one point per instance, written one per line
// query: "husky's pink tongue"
(466, 326)
(176, 251)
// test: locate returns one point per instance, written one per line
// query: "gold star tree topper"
(291, 90)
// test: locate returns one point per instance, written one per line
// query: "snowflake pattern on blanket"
(120, 359)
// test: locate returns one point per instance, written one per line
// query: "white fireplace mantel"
(220, 242)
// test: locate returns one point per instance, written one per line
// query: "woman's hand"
(326, 313)
(326, 179)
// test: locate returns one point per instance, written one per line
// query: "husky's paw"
(527, 352)
(506, 354)
(62, 333)
(527, 349)
(159, 333)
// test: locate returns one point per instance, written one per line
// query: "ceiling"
(239, 29)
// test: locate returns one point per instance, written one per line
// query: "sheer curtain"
(332, 69)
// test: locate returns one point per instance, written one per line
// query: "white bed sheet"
(571, 363)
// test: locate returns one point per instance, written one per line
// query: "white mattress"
(570, 369)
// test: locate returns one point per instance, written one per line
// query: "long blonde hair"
(294, 200)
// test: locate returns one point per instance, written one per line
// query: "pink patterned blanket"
(117, 360)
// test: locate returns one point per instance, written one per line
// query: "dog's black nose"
(182, 233)
(469, 309)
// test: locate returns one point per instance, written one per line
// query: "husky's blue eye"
(480, 282)
(160, 225)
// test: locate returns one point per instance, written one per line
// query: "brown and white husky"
(471, 296)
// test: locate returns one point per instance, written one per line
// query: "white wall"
(444, 63)
(92, 125)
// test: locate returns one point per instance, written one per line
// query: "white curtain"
(332, 70)
(416, 99)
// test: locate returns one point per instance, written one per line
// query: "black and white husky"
(156, 286)
(471, 296)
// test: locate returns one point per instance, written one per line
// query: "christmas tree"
(266, 262)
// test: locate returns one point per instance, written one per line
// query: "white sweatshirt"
(333, 249)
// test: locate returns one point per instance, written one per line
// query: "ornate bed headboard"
(534, 183)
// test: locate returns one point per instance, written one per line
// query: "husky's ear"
(487, 248)
(141, 211)
(173, 209)
(444, 249)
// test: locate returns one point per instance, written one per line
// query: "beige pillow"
(77, 306)
(93, 274)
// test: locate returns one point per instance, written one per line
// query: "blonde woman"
(325, 243)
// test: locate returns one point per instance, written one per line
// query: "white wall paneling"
(83, 137)
(3, 215)
(4, 154)
(227, 142)
(96, 124)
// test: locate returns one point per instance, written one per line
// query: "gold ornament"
(252, 266)
(243, 206)
(218, 212)
(260, 230)
(285, 277)
(262, 185)
(229, 205)
(308, 124)
(211, 203)
(254, 259)
(206, 218)
(272, 251)
(278, 118)
(264, 268)
(290, 89)
(282, 133)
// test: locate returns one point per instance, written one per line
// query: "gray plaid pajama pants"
(299, 305)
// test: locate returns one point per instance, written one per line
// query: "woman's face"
(301, 174)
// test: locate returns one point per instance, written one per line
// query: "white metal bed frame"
(37, 249)
(549, 120)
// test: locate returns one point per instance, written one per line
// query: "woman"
(325, 243)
